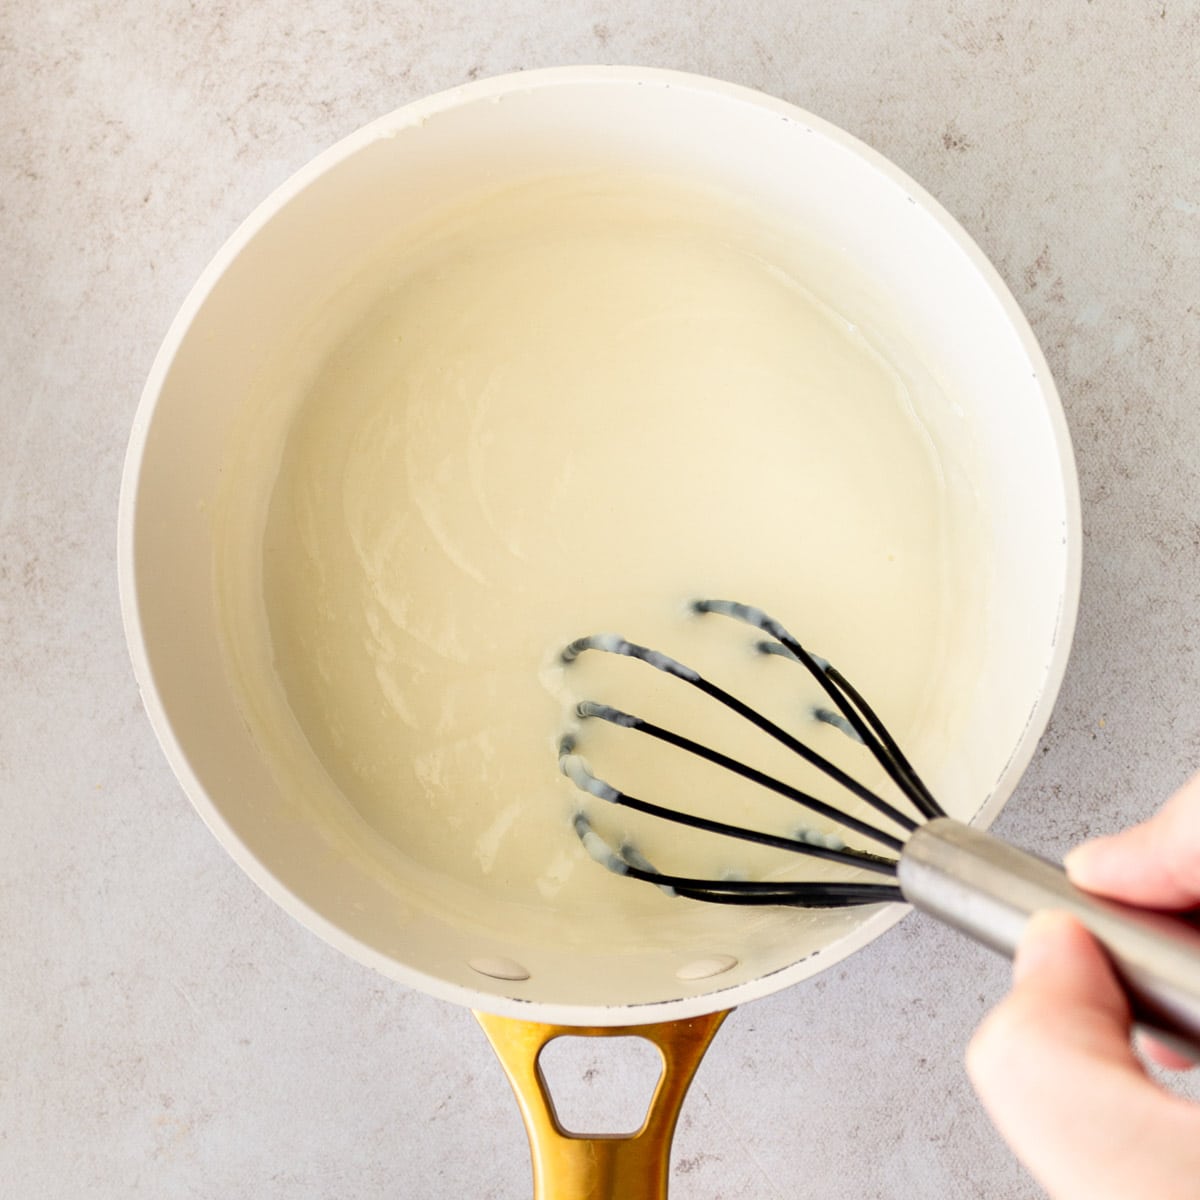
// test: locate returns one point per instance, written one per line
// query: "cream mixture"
(569, 408)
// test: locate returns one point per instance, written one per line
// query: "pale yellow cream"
(571, 408)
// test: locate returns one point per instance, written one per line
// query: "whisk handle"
(989, 889)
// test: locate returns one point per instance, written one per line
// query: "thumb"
(1154, 864)
(1054, 1068)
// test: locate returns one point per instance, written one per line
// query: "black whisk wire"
(862, 718)
(605, 712)
(857, 719)
(792, 893)
(578, 772)
(610, 644)
(922, 799)
(801, 894)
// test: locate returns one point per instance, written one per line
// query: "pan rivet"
(498, 968)
(706, 968)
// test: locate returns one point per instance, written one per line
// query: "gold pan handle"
(570, 1166)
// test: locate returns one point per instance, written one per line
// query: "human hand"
(1053, 1063)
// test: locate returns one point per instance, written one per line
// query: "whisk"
(969, 879)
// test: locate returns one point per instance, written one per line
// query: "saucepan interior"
(879, 251)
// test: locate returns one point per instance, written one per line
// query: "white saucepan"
(304, 243)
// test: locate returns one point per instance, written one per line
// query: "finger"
(1163, 1055)
(1154, 864)
(1054, 1067)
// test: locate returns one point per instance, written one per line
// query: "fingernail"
(1077, 858)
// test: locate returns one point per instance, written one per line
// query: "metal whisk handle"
(989, 890)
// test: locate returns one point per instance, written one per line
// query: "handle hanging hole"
(600, 1085)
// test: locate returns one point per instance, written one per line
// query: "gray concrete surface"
(165, 1031)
